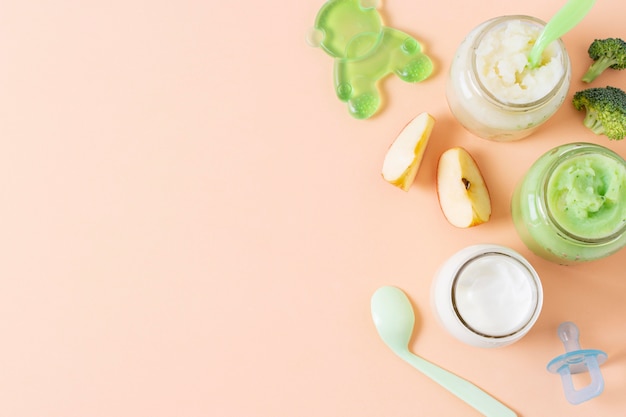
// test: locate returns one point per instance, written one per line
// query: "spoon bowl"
(394, 319)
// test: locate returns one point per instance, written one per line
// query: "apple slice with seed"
(404, 156)
(463, 194)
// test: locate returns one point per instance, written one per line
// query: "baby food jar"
(491, 89)
(487, 295)
(571, 205)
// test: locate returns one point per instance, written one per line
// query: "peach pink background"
(193, 225)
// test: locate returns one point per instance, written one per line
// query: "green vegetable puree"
(586, 195)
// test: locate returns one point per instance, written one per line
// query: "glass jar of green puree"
(570, 206)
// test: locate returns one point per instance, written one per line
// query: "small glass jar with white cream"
(487, 295)
(492, 90)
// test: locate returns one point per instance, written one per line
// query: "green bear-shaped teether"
(365, 51)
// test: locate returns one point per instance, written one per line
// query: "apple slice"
(404, 156)
(463, 194)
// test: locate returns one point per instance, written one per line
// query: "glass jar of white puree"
(487, 295)
(493, 92)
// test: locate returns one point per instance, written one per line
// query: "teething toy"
(365, 51)
(577, 360)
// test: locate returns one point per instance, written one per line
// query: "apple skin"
(405, 154)
(462, 192)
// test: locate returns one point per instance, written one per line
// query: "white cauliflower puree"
(502, 64)
(492, 91)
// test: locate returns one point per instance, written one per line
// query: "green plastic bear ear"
(315, 37)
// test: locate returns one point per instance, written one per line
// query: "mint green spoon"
(394, 319)
(561, 23)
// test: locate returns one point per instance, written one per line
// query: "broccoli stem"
(591, 121)
(597, 68)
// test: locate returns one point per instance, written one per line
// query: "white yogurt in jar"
(492, 91)
(487, 295)
(493, 295)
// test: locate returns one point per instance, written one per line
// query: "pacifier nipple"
(577, 360)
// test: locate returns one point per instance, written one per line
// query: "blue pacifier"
(577, 360)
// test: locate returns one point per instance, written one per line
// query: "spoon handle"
(460, 387)
(562, 22)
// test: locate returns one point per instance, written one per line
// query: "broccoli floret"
(607, 53)
(606, 110)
